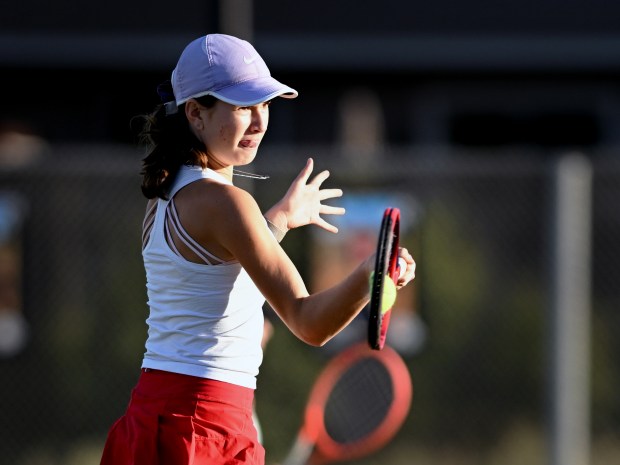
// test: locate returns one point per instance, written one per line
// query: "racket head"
(386, 267)
(357, 404)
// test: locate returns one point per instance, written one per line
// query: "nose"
(260, 118)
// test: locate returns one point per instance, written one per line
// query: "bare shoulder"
(208, 206)
(218, 199)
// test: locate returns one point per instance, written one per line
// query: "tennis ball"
(389, 295)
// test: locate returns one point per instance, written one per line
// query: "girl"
(211, 260)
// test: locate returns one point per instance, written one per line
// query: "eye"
(259, 106)
(265, 106)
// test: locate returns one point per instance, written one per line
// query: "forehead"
(219, 109)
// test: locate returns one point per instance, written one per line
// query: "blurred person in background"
(212, 259)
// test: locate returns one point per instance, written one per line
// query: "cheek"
(224, 134)
(218, 136)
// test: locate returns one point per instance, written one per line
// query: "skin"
(233, 135)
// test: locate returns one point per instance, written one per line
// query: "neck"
(226, 171)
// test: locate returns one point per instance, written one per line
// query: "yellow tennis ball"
(389, 295)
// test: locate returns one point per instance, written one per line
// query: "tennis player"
(211, 260)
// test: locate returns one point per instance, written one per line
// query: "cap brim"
(254, 91)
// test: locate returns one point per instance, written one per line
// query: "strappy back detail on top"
(174, 230)
(149, 220)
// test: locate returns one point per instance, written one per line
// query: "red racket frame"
(314, 431)
(386, 267)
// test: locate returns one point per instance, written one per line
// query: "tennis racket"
(356, 406)
(386, 267)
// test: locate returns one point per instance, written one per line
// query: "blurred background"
(494, 126)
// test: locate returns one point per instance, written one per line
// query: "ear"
(193, 114)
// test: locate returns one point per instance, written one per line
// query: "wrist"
(277, 216)
(277, 232)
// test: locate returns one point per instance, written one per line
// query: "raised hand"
(301, 205)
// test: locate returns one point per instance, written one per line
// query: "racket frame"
(314, 444)
(386, 267)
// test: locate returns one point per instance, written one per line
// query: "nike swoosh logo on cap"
(248, 61)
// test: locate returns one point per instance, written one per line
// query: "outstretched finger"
(321, 223)
(329, 193)
(320, 178)
(305, 173)
(328, 210)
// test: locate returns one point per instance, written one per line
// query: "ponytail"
(170, 144)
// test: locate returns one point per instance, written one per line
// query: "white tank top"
(204, 320)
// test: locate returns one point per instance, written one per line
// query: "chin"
(246, 158)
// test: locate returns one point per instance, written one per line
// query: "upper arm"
(239, 226)
(261, 255)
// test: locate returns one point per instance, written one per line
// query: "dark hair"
(170, 143)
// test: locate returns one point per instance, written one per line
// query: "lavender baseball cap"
(228, 68)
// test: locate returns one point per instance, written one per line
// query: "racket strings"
(359, 402)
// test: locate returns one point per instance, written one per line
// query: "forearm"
(322, 315)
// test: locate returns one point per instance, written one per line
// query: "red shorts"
(176, 419)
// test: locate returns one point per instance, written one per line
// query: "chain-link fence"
(474, 328)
